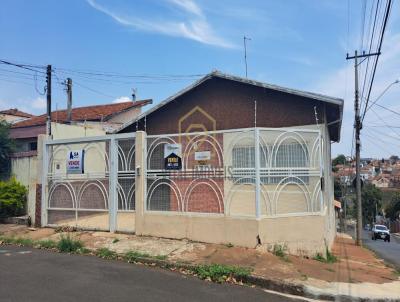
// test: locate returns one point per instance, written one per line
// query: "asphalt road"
(37, 275)
(389, 251)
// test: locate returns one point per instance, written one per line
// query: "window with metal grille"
(293, 156)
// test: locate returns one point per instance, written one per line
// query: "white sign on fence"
(202, 155)
(75, 160)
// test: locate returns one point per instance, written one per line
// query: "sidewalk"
(357, 273)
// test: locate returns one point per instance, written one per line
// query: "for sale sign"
(173, 156)
(75, 161)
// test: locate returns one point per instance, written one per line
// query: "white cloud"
(122, 99)
(38, 103)
(189, 6)
(194, 27)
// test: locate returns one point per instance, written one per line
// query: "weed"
(319, 257)
(329, 257)
(330, 269)
(69, 245)
(220, 273)
(161, 257)
(133, 256)
(47, 244)
(115, 240)
(280, 251)
(105, 253)
(229, 245)
(304, 277)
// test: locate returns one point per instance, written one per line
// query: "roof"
(16, 112)
(88, 113)
(217, 74)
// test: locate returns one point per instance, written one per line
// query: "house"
(14, 115)
(382, 181)
(85, 121)
(225, 160)
(101, 118)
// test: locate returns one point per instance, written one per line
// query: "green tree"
(337, 189)
(371, 197)
(7, 146)
(339, 160)
(392, 210)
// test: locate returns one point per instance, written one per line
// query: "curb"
(280, 286)
(272, 284)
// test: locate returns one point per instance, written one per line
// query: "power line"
(94, 90)
(387, 12)
(27, 67)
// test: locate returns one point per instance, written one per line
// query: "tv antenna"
(245, 51)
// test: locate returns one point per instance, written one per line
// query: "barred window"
(292, 155)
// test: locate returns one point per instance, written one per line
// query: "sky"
(158, 47)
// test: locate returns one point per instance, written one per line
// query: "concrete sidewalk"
(356, 274)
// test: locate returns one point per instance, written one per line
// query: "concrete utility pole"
(358, 127)
(48, 90)
(69, 100)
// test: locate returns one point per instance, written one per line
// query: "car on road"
(380, 231)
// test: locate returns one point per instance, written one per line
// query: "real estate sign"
(75, 160)
(172, 156)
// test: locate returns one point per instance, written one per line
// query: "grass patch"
(47, 244)
(17, 241)
(330, 270)
(229, 245)
(133, 256)
(115, 240)
(280, 251)
(69, 245)
(105, 253)
(220, 273)
(329, 257)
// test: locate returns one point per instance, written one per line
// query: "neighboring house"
(86, 121)
(14, 115)
(382, 181)
(105, 118)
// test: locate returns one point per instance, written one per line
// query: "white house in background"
(13, 115)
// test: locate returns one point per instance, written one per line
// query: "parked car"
(380, 232)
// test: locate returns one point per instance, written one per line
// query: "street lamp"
(383, 92)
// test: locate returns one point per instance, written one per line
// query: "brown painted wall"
(231, 105)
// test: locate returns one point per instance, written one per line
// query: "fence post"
(45, 171)
(257, 168)
(140, 180)
(113, 179)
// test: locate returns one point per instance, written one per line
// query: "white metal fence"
(254, 172)
(250, 172)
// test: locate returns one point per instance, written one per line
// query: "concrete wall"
(25, 171)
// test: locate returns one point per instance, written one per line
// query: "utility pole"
(358, 127)
(69, 100)
(245, 51)
(48, 90)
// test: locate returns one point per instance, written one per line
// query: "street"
(389, 251)
(37, 275)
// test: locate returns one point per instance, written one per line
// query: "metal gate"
(102, 196)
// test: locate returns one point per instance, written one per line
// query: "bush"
(12, 198)
(69, 245)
